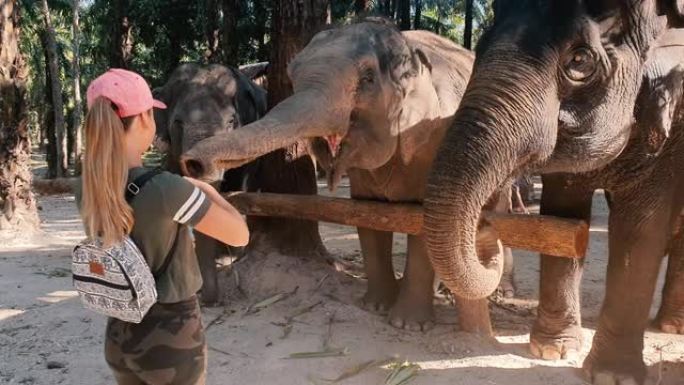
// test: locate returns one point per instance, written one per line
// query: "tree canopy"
(154, 36)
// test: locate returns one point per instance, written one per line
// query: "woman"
(168, 346)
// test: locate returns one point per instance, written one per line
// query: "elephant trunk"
(305, 114)
(505, 122)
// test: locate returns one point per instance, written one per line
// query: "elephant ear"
(674, 10)
(163, 138)
(419, 107)
(250, 99)
(662, 100)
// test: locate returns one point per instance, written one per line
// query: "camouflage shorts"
(167, 348)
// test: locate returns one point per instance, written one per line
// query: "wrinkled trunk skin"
(17, 205)
(297, 117)
(506, 107)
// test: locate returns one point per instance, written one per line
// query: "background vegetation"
(153, 36)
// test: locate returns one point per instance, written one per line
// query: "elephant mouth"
(334, 142)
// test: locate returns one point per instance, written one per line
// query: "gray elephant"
(374, 103)
(203, 101)
(554, 90)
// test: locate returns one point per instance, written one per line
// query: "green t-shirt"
(166, 208)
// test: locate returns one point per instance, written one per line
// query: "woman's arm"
(222, 222)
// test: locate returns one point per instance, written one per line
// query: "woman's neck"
(134, 159)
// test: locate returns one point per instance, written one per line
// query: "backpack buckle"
(133, 189)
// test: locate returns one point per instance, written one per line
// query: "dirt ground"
(46, 337)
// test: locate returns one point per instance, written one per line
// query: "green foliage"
(168, 32)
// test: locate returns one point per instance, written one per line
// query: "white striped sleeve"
(183, 202)
(190, 207)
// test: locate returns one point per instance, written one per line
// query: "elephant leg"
(503, 201)
(376, 248)
(557, 331)
(413, 309)
(507, 285)
(207, 250)
(638, 235)
(671, 314)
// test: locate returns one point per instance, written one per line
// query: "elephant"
(670, 318)
(557, 89)
(203, 101)
(374, 103)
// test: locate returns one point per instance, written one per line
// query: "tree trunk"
(49, 115)
(404, 14)
(361, 7)
(261, 21)
(418, 15)
(17, 204)
(394, 7)
(231, 43)
(76, 74)
(56, 92)
(212, 31)
(387, 8)
(121, 39)
(468, 30)
(291, 170)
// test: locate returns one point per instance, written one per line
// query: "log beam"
(545, 234)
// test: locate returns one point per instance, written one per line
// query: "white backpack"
(116, 281)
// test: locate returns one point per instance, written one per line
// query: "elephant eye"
(367, 78)
(580, 64)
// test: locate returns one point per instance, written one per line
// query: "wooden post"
(545, 234)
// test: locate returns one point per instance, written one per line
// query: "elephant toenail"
(551, 354)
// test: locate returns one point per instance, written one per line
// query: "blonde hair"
(105, 212)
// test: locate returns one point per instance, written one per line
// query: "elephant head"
(202, 102)
(353, 89)
(553, 89)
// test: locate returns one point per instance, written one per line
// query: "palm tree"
(17, 204)
(76, 74)
(60, 166)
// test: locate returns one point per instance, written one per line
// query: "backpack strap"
(132, 190)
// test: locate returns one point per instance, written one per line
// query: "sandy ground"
(46, 337)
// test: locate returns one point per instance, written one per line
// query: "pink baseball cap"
(127, 90)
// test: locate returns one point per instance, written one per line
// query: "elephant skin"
(645, 187)
(554, 90)
(203, 101)
(374, 103)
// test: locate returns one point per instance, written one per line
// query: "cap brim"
(157, 104)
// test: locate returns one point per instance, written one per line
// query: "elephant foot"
(209, 297)
(627, 370)
(413, 315)
(609, 378)
(670, 322)
(380, 299)
(562, 345)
